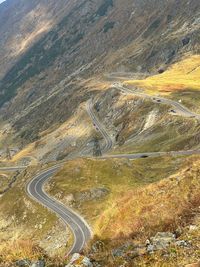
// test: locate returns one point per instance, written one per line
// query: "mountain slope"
(63, 100)
(23, 23)
(94, 36)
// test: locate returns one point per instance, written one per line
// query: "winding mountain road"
(79, 227)
(98, 125)
(178, 108)
(109, 141)
(35, 188)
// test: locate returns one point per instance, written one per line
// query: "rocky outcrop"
(79, 260)
(160, 241)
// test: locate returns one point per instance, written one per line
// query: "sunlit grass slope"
(160, 206)
(120, 176)
(184, 74)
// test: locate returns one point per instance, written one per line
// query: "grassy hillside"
(184, 74)
(144, 196)
(116, 176)
(162, 205)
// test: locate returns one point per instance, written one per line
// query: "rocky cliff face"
(46, 44)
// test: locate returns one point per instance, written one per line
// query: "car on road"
(144, 156)
(157, 100)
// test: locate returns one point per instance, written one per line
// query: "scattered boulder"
(119, 252)
(160, 241)
(160, 71)
(183, 243)
(23, 263)
(185, 40)
(98, 246)
(150, 248)
(79, 260)
(40, 263)
(130, 251)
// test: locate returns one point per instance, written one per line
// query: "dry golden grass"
(182, 75)
(167, 205)
(122, 177)
(26, 152)
(160, 206)
(21, 249)
(96, 84)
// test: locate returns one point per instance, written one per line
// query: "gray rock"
(119, 252)
(40, 263)
(129, 251)
(150, 248)
(185, 40)
(22, 263)
(79, 260)
(98, 246)
(182, 243)
(161, 241)
(86, 262)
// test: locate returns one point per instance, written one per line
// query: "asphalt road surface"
(80, 229)
(180, 110)
(100, 127)
(177, 108)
